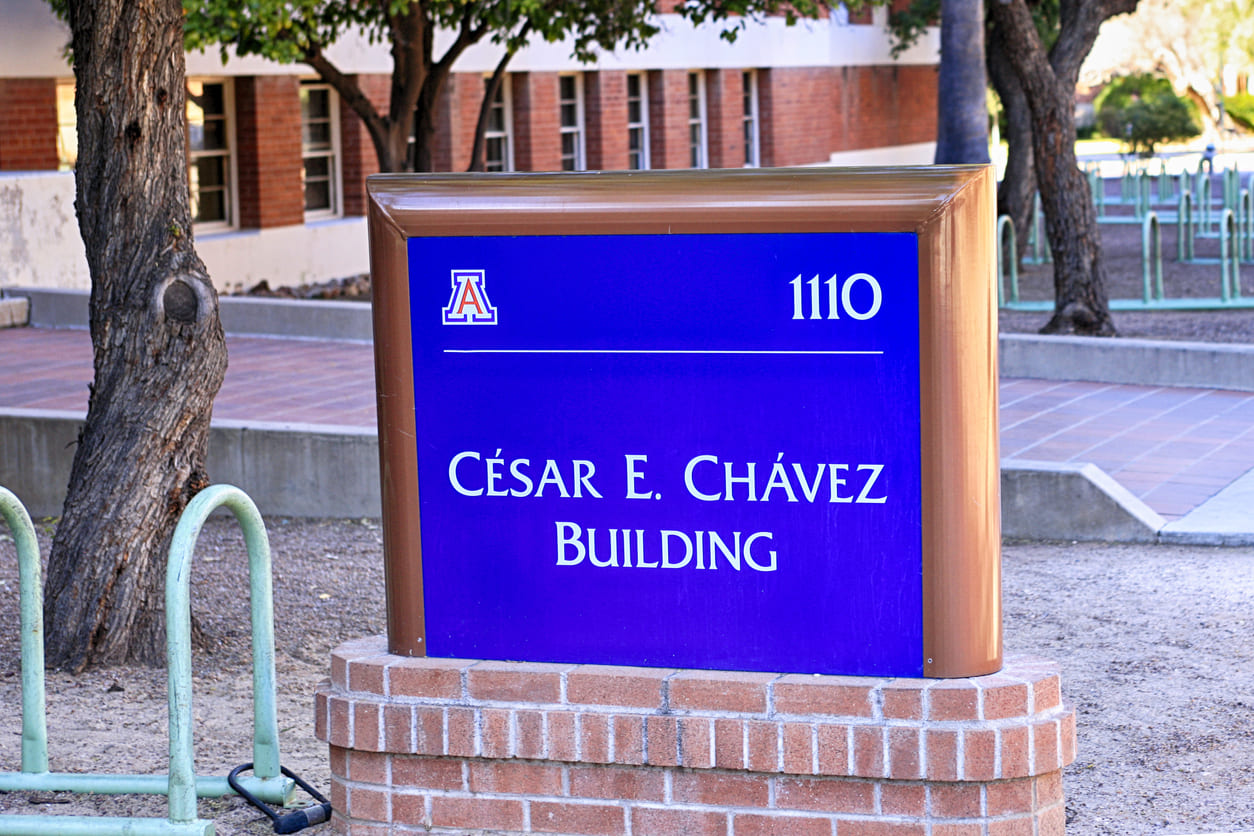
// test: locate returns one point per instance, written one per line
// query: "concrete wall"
(32, 39)
(40, 245)
(287, 469)
(39, 241)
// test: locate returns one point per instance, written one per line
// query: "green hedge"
(1144, 111)
(1241, 108)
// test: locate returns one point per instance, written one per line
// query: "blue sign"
(696, 451)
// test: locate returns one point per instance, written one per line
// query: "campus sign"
(668, 433)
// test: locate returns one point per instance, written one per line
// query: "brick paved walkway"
(1172, 447)
(306, 381)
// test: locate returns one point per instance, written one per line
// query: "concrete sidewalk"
(1132, 457)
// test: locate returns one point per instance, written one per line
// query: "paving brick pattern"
(1172, 447)
(304, 381)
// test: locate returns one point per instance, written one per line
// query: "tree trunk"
(1018, 185)
(477, 161)
(160, 355)
(1048, 81)
(962, 112)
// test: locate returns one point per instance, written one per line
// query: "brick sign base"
(446, 746)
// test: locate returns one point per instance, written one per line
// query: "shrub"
(1144, 111)
(1241, 109)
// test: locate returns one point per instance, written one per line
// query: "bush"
(1144, 111)
(1241, 109)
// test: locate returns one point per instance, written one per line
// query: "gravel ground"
(1152, 640)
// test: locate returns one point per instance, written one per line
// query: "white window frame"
(751, 119)
(579, 159)
(698, 147)
(231, 186)
(334, 154)
(67, 127)
(507, 119)
(641, 126)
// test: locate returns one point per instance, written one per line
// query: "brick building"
(277, 164)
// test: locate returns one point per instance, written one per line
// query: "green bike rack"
(181, 785)
(1007, 251)
(1151, 249)
(1185, 228)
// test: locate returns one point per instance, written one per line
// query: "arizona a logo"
(468, 304)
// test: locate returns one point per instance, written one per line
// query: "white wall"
(39, 241)
(40, 245)
(286, 255)
(32, 41)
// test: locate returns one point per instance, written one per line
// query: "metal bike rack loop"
(181, 785)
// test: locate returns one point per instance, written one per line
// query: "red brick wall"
(445, 746)
(457, 115)
(537, 125)
(795, 119)
(884, 105)
(668, 119)
(28, 124)
(806, 114)
(724, 93)
(605, 104)
(359, 157)
(267, 131)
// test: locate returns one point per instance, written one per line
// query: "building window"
(637, 122)
(570, 99)
(67, 127)
(697, 149)
(498, 141)
(319, 140)
(750, 80)
(209, 163)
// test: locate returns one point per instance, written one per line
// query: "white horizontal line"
(634, 351)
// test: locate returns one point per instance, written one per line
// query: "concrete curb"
(309, 470)
(1132, 361)
(316, 470)
(297, 470)
(1071, 501)
(322, 319)
(14, 311)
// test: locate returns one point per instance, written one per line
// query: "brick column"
(442, 746)
(795, 118)
(268, 144)
(458, 112)
(668, 119)
(537, 122)
(605, 105)
(724, 93)
(359, 158)
(28, 124)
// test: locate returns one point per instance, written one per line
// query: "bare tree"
(1048, 78)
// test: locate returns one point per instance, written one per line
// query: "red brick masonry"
(456, 746)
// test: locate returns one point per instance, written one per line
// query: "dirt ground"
(1121, 257)
(1153, 642)
(328, 587)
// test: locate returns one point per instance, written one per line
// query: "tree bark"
(962, 110)
(159, 351)
(1048, 81)
(1018, 184)
(477, 161)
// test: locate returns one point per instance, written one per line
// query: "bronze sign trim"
(949, 208)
